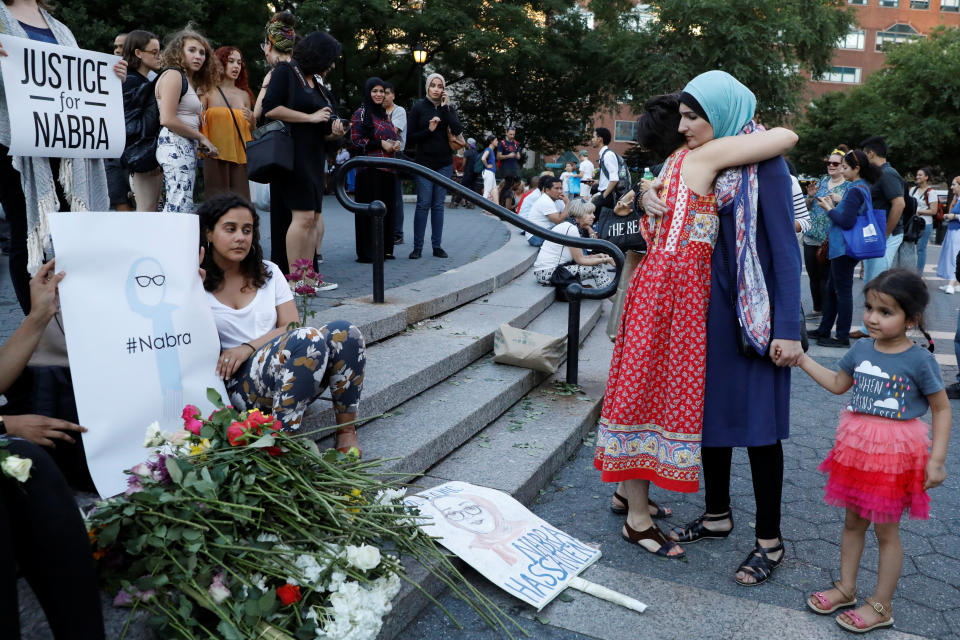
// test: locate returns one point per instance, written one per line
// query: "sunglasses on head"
(831, 163)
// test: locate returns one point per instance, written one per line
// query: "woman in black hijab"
(372, 132)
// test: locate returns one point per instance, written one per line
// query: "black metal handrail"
(377, 210)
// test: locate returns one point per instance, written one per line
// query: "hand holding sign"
(74, 104)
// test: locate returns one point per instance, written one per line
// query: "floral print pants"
(178, 159)
(291, 371)
(597, 272)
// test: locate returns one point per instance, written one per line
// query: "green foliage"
(913, 102)
(766, 44)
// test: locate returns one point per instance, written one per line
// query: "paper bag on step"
(527, 349)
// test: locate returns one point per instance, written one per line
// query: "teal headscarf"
(729, 105)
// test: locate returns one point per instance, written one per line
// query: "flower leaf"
(214, 398)
(173, 468)
(263, 441)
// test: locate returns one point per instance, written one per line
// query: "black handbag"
(744, 347)
(560, 278)
(270, 152)
(623, 231)
(914, 228)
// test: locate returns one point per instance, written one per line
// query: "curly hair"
(222, 54)
(657, 127)
(252, 268)
(205, 77)
(316, 52)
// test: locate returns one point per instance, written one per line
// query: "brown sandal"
(652, 533)
(860, 625)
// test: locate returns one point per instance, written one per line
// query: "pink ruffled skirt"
(876, 467)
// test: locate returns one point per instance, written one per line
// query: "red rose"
(288, 594)
(255, 419)
(237, 434)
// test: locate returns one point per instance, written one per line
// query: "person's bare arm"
(893, 215)
(44, 302)
(836, 382)
(733, 151)
(936, 471)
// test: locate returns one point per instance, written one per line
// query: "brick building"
(881, 22)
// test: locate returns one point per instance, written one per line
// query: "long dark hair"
(909, 290)
(657, 127)
(252, 267)
(858, 159)
(316, 52)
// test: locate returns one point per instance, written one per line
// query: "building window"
(897, 34)
(637, 18)
(625, 131)
(920, 4)
(848, 75)
(950, 5)
(862, 3)
(890, 4)
(854, 39)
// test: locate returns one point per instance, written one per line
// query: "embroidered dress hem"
(646, 452)
(876, 468)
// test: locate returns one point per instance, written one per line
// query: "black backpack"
(622, 177)
(142, 119)
(909, 204)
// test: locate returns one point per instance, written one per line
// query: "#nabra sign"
(63, 102)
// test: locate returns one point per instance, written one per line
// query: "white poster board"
(499, 537)
(140, 334)
(63, 102)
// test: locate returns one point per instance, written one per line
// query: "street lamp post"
(420, 57)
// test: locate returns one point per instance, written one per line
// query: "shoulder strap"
(603, 167)
(232, 117)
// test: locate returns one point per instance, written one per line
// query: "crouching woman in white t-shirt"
(264, 365)
(553, 255)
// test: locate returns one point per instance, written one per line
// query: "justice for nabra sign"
(63, 102)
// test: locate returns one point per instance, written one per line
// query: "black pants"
(42, 534)
(280, 218)
(374, 184)
(818, 272)
(766, 467)
(838, 303)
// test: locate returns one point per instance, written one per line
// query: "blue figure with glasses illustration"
(146, 294)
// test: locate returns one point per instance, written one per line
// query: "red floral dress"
(653, 408)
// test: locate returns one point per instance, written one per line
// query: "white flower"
(336, 579)
(310, 569)
(218, 591)
(17, 468)
(141, 470)
(153, 438)
(267, 537)
(176, 438)
(364, 557)
(259, 582)
(387, 496)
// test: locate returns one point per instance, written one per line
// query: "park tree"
(913, 102)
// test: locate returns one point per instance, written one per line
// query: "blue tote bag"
(867, 238)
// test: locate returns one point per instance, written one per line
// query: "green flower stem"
(173, 519)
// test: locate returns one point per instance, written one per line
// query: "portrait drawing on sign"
(478, 516)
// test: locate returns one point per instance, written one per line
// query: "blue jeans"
(922, 244)
(535, 241)
(430, 198)
(838, 303)
(398, 211)
(956, 345)
(875, 266)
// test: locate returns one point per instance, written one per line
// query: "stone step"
(517, 453)
(427, 427)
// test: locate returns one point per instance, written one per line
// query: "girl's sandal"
(620, 510)
(819, 603)
(860, 625)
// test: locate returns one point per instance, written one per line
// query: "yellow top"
(219, 129)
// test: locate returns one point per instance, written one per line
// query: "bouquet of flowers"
(234, 529)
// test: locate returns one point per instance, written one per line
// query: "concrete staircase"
(452, 412)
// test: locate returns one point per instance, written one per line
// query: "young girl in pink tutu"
(882, 463)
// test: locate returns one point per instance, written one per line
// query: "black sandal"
(653, 533)
(662, 512)
(760, 566)
(695, 530)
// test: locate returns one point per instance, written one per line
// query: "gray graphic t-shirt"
(891, 385)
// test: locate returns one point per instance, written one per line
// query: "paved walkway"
(698, 598)
(468, 234)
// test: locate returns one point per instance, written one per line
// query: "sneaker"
(327, 286)
(857, 335)
(813, 334)
(813, 315)
(832, 342)
(415, 254)
(439, 253)
(953, 391)
(319, 258)
(948, 289)
(398, 240)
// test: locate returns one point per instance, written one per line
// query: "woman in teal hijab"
(755, 269)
